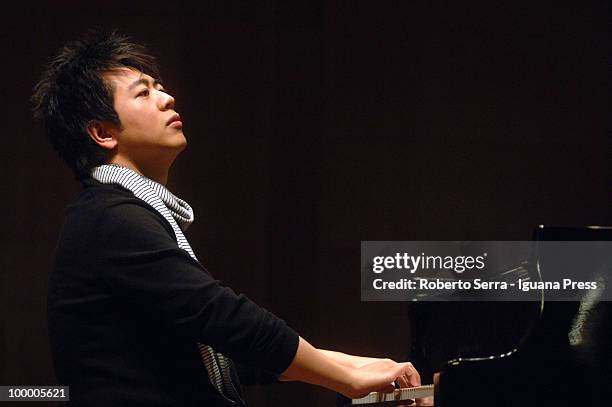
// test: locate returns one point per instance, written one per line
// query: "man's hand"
(381, 376)
(337, 372)
(356, 362)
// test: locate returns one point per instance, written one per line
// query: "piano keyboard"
(397, 395)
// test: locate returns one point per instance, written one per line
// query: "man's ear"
(102, 134)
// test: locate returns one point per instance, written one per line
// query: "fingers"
(403, 381)
(414, 378)
(383, 376)
(409, 376)
(389, 388)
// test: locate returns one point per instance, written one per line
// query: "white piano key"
(397, 395)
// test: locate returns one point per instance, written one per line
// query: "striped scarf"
(180, 215)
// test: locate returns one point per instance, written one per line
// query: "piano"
(507, 354)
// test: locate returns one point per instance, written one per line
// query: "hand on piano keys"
(374, 370)
(406, 389)
(382, 375)
(346, 375)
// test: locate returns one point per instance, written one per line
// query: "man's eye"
(162, 90)
(144, 92)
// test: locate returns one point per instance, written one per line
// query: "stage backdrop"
(313, 126)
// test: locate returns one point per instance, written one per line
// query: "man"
(134, 318)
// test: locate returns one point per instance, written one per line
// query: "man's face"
(151, 130)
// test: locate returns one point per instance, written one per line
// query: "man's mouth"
(175, 121)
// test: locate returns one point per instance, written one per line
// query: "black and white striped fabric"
(180, 215)
(176, 211)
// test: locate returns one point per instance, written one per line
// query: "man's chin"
(181, 143)
(184, 143)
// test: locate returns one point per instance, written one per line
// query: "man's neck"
(157, 173)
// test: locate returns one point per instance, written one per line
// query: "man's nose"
(166, 101)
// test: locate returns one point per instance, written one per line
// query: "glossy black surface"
(547, 368)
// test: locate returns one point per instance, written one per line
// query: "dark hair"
(72, 92)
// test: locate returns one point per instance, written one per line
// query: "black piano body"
(518, 353)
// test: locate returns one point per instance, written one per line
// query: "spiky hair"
(72, 92)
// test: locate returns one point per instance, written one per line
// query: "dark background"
(315, 125)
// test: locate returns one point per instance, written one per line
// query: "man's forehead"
(124, 77)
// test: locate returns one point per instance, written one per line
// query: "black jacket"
(126, 307)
